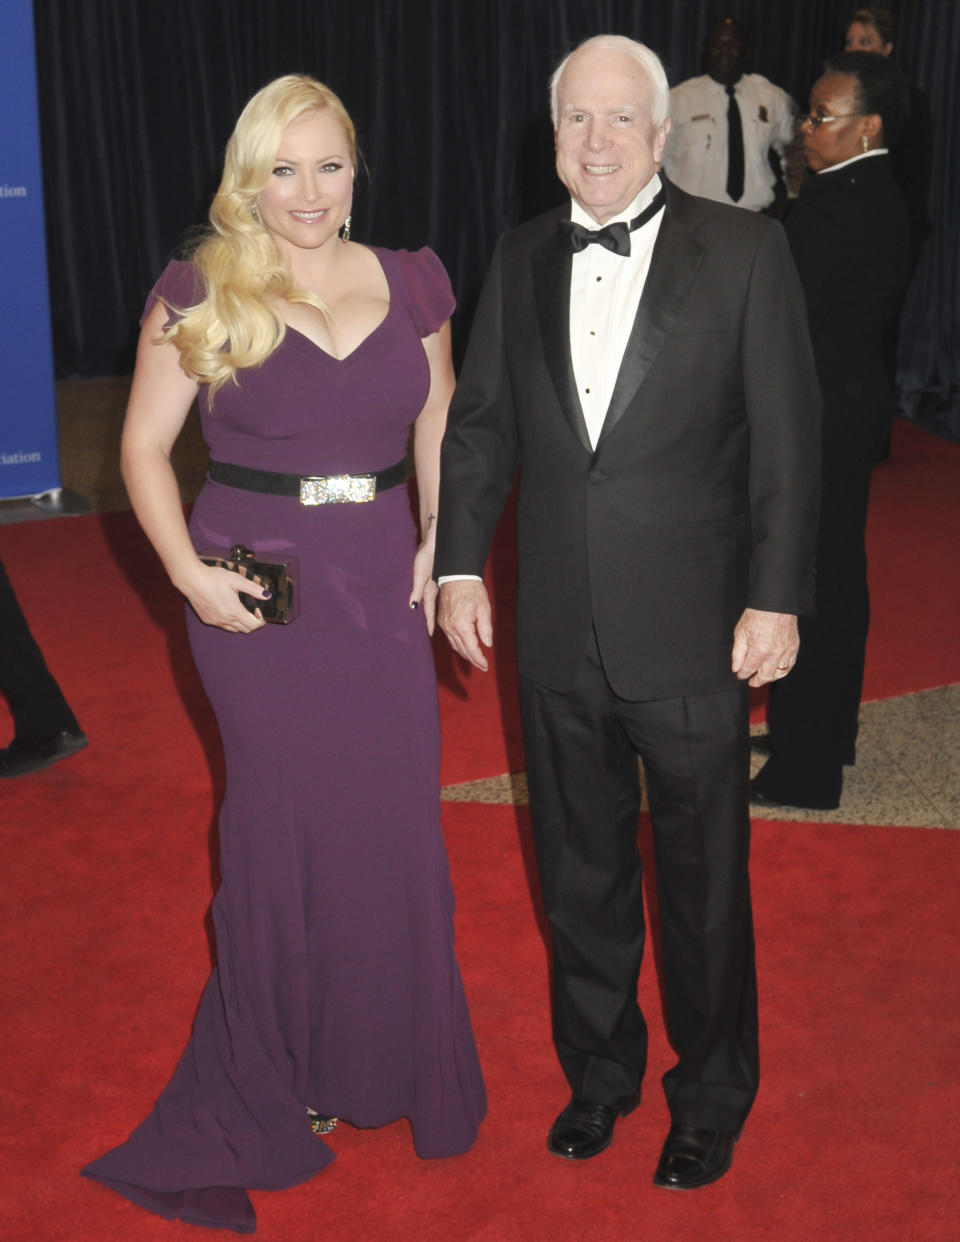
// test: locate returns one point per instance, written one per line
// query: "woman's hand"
(424, 593)
(214, 595)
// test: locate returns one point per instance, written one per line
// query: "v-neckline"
(334, 357)
(372, 333)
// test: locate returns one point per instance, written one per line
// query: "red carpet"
(851, 1135)
(107, 877)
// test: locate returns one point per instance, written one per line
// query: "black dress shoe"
(759, 798)
(23, 756)
(585, 1129)
(692, 1158)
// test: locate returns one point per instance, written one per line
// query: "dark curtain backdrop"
(137, 99)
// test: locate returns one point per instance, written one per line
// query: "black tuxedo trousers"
(582, 749)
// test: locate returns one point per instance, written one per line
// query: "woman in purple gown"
(336, 992)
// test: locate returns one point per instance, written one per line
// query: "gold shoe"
(320, 1124)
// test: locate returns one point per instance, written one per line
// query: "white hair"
(647, 59)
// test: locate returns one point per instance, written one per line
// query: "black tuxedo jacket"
(701, 495)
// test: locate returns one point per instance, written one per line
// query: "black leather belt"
(331, 489)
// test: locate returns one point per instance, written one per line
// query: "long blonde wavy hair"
(242, 269)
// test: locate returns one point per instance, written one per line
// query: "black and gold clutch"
(280, 577)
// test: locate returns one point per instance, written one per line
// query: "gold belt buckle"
(338, 489)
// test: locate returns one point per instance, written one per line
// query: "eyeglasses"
(816, 121)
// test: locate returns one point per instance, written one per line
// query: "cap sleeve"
(429, 294)
(179, 286)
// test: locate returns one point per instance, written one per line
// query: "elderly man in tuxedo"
(642, 356)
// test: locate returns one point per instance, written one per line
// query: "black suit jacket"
(849, 233)
(701, 495)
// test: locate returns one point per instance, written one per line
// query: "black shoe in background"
(23, 756)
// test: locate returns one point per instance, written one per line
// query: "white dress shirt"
(696, 153)
(605, 290)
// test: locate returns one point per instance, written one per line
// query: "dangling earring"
(255, 212)
(866, 143)
(345, 230)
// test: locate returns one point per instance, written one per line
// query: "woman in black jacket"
(850, 237)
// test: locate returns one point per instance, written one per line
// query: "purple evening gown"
(336, 985)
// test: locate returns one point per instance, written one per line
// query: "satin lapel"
(676, 259)
(551, 280)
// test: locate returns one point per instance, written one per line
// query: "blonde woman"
(336, 992)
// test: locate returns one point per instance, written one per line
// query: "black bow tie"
(615, 237)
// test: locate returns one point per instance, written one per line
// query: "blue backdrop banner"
(29, 460)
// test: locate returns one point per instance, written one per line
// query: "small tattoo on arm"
(431, 518)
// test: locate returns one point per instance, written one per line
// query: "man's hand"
(464, 616)
(765, 646)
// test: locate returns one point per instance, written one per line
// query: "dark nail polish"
(414, 604)
(266, 594)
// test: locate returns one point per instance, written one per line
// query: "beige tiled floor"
(908, 762)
